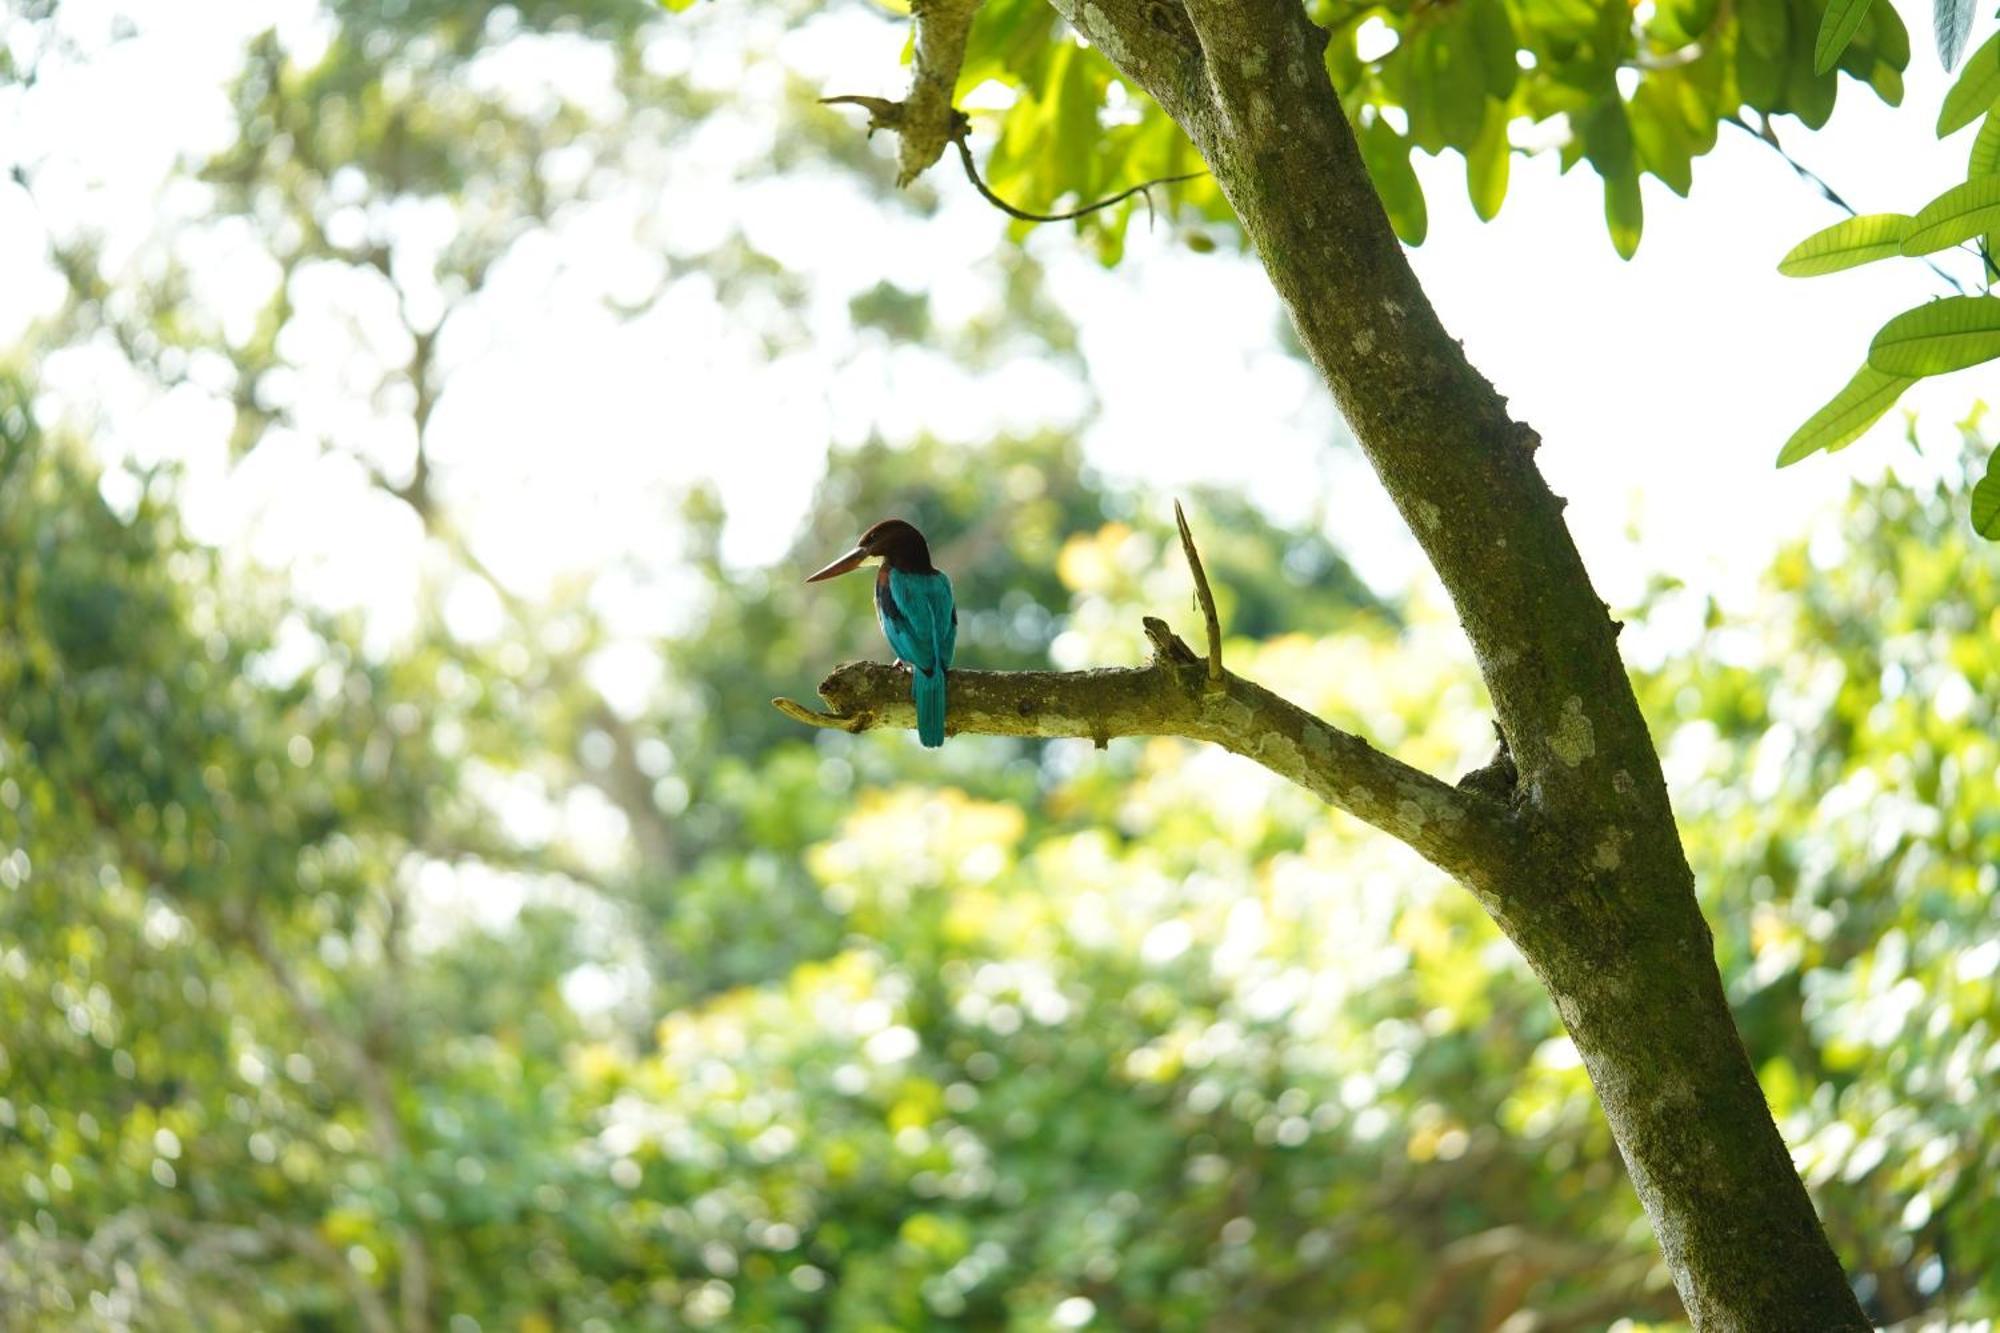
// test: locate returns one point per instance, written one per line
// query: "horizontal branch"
(1465, 833)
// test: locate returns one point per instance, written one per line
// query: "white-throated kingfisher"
(913, 603)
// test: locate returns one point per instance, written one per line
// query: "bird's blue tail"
(927, 689)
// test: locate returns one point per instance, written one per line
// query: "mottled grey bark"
(928, 118)
(1584, 870)
(1472, 836)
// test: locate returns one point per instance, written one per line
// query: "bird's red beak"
(849, 561)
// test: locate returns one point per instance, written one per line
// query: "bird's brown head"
(896, 543)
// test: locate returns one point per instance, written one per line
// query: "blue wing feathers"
(927, 690)
(921, 624)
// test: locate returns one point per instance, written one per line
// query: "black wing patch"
(886, 609)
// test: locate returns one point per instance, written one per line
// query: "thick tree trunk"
(1603, 906)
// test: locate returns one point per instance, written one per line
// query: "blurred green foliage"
(427, 983)
(1039, 1038)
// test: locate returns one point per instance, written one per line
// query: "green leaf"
(1493, 33)
(1011, 41)
(1846, 416)
(1487, 162)
(1761, 79)
(1678, 23)
(1766, 27)
(1665, 141)
(1077, 92)
(1986, 501)
(1887, 36)
(1974, 93)
(1624, 213)
(1943, 336)
(1607, 141)
(1387, 156)
(1457, 83)
(1809, 95)
(1959, 214)
(1985, 157)
(1953, 21)
(1836, 30)
(1887, 81)
(1845, 244)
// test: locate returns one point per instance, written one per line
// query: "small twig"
(1769, 138)
(812, 717)
(886, 114)
(1208, 615)
(1143, 189)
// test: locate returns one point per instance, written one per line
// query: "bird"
(914, 605)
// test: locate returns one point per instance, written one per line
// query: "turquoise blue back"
(921, 624)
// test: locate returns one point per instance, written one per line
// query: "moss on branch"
(1463, 832)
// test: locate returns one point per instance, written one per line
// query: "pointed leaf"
(1953, 20)
(1663, 132)
(1386, 154)
(1933, 339)
(1986, 501)
(1765, 28)
(1493, 30)
(1887, 81)
(1985, 157)
(1887, 35)
(1459, 84)
(1846, 415)
(1959, 214)
(1845, 244)
(1809, 96)
(1974, 93)
(1487, 162)
(1624, 212)
(1836, 30)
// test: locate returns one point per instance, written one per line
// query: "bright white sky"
(1662, 387)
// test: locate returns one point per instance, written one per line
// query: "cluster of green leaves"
(208, 801)
(1940, 336)
(1639, 92)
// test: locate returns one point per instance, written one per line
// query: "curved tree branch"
(1469, 835)
(929, 122)
(1602, 906)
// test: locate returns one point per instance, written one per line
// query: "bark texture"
(928, 117)
(1472, 836)
(1605, 910)
(1584, 870)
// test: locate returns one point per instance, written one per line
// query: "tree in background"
(1568, 838)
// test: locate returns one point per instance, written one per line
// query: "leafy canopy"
(1633, 90)
(1938, 336)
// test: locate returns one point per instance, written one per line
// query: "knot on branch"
(844, 692)
(1169, 649)
(1497, 778)
(905, 119)
(926, 122)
